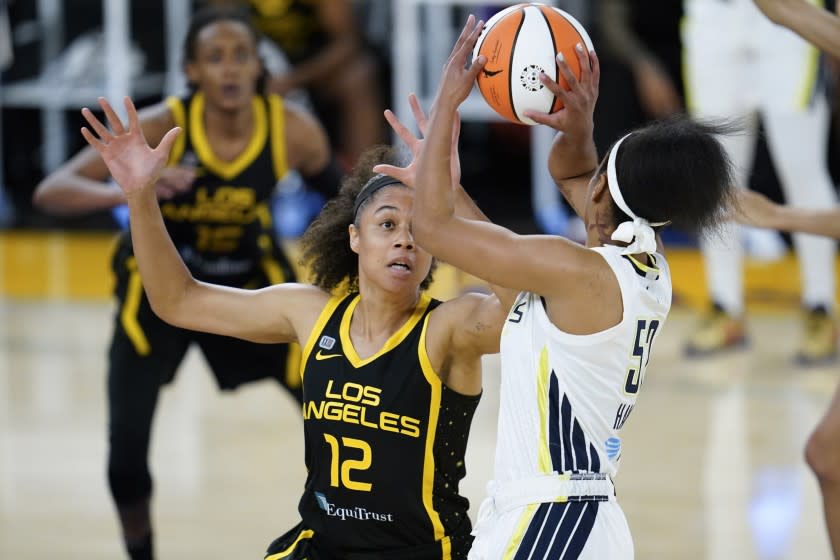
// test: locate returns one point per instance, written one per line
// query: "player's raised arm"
(811, 21)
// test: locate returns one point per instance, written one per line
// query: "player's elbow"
(172, 306)
(44, 196)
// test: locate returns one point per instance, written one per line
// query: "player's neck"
(381, 314)
(228, 124)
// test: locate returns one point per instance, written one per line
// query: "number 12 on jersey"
(645, 332)
(348, 465)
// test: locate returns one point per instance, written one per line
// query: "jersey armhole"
(315, 334)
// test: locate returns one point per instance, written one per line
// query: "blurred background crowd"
(55, 59)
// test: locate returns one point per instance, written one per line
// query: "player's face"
(226, 65)
(388, 255)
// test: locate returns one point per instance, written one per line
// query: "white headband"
(639, 231)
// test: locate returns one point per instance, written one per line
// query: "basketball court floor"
(712, 465)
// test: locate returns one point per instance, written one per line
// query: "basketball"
(520, 42)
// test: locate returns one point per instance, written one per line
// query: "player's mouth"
(400, 266)
(231, 91)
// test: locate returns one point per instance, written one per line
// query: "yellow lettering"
(371, 396)
(329, 392)
(364, 422)
(351, 413)
(332, 410)
(310, 408)
(388, 421)
(352, 392)
(334, 459)
(356, 465)
(411, 425)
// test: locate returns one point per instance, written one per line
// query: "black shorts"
(142, 341)
(301, 543)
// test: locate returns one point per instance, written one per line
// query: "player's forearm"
(619, 39)
(817, 222)
(572, 154)
(814, 24)
(434, 199)
(466, 207)
(72, 194)
(165, 277)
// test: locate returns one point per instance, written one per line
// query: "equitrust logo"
(356, 512)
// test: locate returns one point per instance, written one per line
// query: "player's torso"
(385, 439)
(222, 226)
(585, 386)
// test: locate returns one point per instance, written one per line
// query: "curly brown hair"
(325, 245)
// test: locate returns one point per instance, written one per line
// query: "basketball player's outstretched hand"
(407, 175)
(578, 100)
(458, 78)
(132, 163)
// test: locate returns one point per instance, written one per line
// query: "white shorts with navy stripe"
(574, 530)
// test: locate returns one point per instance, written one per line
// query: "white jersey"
(564, 397)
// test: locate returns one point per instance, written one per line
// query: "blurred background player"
(329, 59)
(235, 146)
(822, 452)
(739, 65)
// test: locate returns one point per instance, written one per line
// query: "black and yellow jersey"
(385, 444)
(222, 226)
(292, 24)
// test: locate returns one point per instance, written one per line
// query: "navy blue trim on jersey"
(555, 447)
(569, 450)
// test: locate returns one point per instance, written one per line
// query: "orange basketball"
(520, 42)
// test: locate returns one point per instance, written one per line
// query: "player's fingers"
(164, 192)
(585, 64)
(596, 70)
(96, 125)
(93, 140)
(465, 32)
(554, 87)
(401, 130)
(113, 120)
(168, 140)
(418, 112)
(133, 121)
(397, 173)
(566, 73)
(476, 67)
(472, 38)
(539, 118)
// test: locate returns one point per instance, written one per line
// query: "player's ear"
(354, 238)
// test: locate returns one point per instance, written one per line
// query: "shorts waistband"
(555, 487)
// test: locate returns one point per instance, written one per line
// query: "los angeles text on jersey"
(354, 403)
(226, 204)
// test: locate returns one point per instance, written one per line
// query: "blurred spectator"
(329, 59)
(740, 65)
